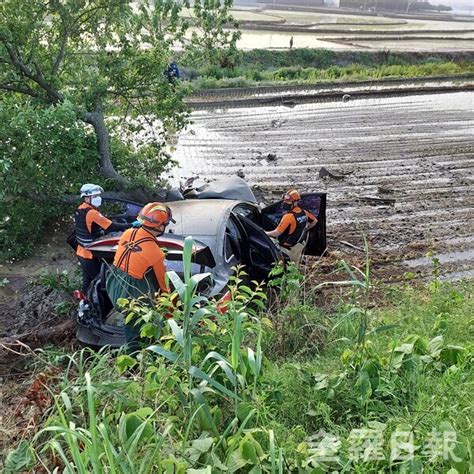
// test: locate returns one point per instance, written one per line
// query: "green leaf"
(177, 331)
(198, 315)
(20, 459)
(202, 444)
(244, 409)
(251, 360)
(404, 349)
(451, 355)
(363, 385)
(125, 362)
(322, 384)
(163, 352)
(196, 279)
(195, 372)
(385, 328)
(122, 302)
(178, 284)
(227, 370)
(248, 451)
(236, 461)
(149, 330)
(435, 344)
(134, 422)
(205, 414)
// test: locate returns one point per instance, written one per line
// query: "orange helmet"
(292, 196)
(155, 214)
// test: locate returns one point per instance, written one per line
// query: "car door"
(312, 202)
(258, 251)
(120, 210)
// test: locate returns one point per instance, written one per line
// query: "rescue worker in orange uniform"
(291, 230)
(139, 264)
(90, 225)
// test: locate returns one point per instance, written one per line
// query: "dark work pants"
(90, 269)
(122, 285)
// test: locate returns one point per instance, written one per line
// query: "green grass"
(294, 75)
(235, 392)
(301, 66)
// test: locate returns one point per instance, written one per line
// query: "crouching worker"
(90, 225)
(293, 226)
(139, 265)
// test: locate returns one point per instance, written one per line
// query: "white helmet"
(91, 190)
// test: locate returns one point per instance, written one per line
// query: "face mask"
(286, 206)
(96, 201)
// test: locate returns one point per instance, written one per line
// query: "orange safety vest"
(138, 252)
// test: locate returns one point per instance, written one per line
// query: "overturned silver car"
(227, 231)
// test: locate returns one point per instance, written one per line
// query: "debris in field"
(241, 174)
(40, 337)
(378, 200)
(288, 103)
(383, 190)
(271, 157)
(325, 173)
(37, 394)
(277, 123)
(346, 97)
(352, 246)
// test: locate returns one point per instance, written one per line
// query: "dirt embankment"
(33, 296)
(292, 95)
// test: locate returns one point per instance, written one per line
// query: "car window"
(232, 241)
(246, 211)
(113, 208)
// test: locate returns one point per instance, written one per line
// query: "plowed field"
(403, 171)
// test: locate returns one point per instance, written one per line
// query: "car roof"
(200, 216)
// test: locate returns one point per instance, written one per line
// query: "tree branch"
(20, 90)
(60, 57)
(96, 119)
(141, 196)
(37, 77)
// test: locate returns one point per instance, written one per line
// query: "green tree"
(214, 34)
(106, 57)
(95, 69)
(36, 143)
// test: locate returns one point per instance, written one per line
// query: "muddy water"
(280, 40)
(434, 45)
(418, 150)
(277, 40)
(316, 37)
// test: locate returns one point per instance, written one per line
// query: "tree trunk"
(106, 167)
(97, 120)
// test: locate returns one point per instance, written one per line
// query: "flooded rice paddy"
(273, 29)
